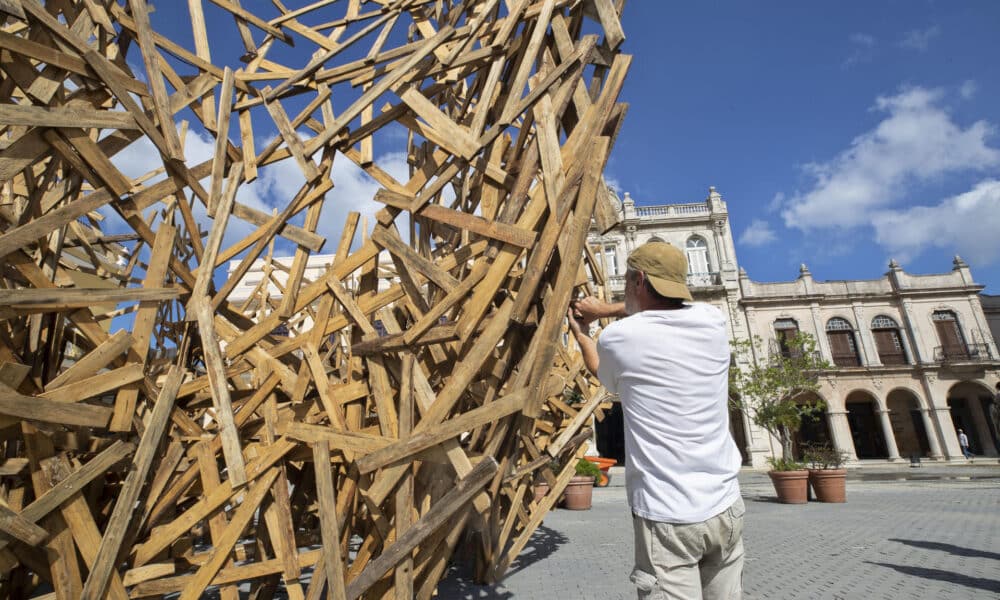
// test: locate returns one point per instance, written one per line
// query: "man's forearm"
(588, 349)
(616, 310)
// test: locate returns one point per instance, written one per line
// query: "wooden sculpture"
(159, 438)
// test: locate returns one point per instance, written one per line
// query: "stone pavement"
(932, 532)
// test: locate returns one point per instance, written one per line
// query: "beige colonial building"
(913, 356)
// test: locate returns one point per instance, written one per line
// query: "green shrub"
(785, 464)
(585, 468)
(824, 457)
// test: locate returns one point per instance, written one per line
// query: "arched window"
(610, 260)
(656, 238)
(697, 255)
(888, 341)
(953, 344)
(842, 343)
(784, 331)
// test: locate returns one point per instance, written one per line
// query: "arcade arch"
(863, 418)
(969, 402)
(908, 425)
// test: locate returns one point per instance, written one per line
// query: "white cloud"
(777, 202)
(758, 233)
(613, 183)
(276, 185)
(862, 50)
(862, 39)
(919, 39)
(916, 142)
(967, 224)
(968, 89)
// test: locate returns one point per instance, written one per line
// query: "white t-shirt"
(670, 368)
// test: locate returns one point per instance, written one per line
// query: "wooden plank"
(246, 510)
(220, 393)
(329, 527)
(145, 321)
(435, 435)
(510, 234)
(380, 88)
(96, 385)
(20, 528)
(613, 32)
(65, 116)
(94, 361)
(34, 408)
(443, 510)
(114, 534)
(253, 19)
(389, 240)
(221, 142)
(12, 7)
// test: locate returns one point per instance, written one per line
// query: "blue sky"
(840, 134)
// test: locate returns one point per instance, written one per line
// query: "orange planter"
(603, 464)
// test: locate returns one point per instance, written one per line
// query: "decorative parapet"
(671, 210)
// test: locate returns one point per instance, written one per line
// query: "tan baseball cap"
(665, 266)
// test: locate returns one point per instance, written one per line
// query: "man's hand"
(576, 324)
(589, 309)
(588, 347)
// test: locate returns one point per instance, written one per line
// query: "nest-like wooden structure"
(159, 437)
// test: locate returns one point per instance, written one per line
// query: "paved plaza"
(930, 532)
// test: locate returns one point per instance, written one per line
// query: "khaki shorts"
(690, 561)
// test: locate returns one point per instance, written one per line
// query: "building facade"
(913, 355)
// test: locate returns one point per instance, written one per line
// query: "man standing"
(669, 362)
(963, 442)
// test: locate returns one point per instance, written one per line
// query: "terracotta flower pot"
(829, 485)
(579, 493)
(541, 488)
(792, 487)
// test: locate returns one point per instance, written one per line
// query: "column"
(865, 338)
(840, 431)
(919, 349)
(822, 342)
(948, 434)
(868, 354)
(932, 434)
(890, 438)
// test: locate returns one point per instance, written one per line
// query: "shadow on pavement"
(950, 548)
(464, 589)
(544, 542)
(457, 584)
(765, 499)
(989, 585)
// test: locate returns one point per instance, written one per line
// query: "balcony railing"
(694, 280)
(776, 354)
(962, 353)
(704, 279)
(672, 209)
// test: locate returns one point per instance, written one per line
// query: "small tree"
(777, 387)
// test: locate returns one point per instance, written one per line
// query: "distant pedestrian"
(963, 441)
(995, 417)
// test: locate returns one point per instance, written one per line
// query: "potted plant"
(580, 491)
(790, 480)
(541, 486)
(827, 474)
(777, 392)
